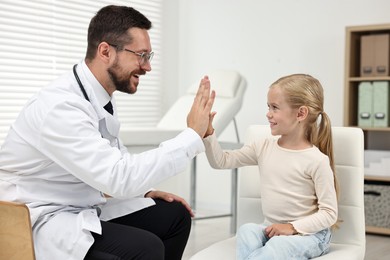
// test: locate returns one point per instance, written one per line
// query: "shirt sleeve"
(228, 159)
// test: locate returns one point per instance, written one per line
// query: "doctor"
(88, 197)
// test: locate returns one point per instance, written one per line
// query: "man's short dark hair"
(110, 24)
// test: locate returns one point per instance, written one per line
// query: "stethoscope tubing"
(79, 82)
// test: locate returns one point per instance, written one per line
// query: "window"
(42, 39)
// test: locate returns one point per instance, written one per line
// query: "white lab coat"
(55, 160)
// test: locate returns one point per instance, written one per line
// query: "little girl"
(298, 185)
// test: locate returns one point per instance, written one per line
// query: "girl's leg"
(294, 247)
(250, 237)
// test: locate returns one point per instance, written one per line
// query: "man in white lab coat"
(88, 197)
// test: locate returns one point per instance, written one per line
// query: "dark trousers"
(157, 232)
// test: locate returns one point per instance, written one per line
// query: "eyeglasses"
(145, 56)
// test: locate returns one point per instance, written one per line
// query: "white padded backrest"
(230, 88)
(249, 199)
(348, 145)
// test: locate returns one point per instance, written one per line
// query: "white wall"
(264, 40)
(169, 53)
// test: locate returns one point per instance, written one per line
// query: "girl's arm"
(229, 159)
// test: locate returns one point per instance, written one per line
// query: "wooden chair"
(16, 240)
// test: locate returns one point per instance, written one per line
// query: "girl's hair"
(305, 90)
(110, 24)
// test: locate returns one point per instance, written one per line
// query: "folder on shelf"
(381, 104)
(365, 117)
(367, 57)
(381, 55)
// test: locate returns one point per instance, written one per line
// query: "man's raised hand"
(198, 117)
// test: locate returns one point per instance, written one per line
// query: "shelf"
(360, 79)
(377, 178)
(375, 129)
(377, 230)
(375, 28)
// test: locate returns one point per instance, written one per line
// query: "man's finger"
(205, 93)
(199, 93)
(210, 101)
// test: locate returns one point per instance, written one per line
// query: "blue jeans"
(252, 243)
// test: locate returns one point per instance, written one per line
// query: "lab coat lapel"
(109, 128)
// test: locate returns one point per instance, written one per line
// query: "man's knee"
(179, 212)
(153, 250)
(185, 214)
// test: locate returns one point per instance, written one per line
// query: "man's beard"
(122, 85)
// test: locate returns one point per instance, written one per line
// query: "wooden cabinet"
(376, 138)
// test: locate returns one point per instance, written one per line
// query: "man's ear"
(303, 112)
(104, 52)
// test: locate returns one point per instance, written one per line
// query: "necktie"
(108, 108)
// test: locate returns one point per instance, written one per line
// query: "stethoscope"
(79, 82)
(85, 93)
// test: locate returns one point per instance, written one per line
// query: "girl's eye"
(272, 107)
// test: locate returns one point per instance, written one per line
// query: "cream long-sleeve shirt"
(296, 186)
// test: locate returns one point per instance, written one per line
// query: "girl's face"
(282, 118)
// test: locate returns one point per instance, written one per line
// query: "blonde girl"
(298, 185)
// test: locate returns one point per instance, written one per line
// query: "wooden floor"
(208, 231)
